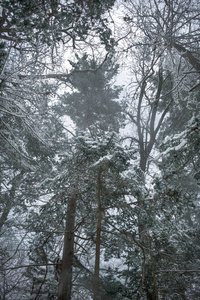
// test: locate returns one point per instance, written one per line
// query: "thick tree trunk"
(98, 240)
(65, 282)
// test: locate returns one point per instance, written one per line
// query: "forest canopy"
(100, 149)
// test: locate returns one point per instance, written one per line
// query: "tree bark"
(153, 270)
(187, 55)
(65, 282)
(11, 199)
(98, 240)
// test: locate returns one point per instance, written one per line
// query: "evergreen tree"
(89, 110)
(94, 100)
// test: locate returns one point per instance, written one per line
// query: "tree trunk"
(153, 270)
(149, 282)
(146, 139)
(98, 240)
(10, 201)
(188, 55)
(65, 282)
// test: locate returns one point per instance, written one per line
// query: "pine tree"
(90, 108)
(94, 100)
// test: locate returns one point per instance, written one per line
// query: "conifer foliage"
(99, 181)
